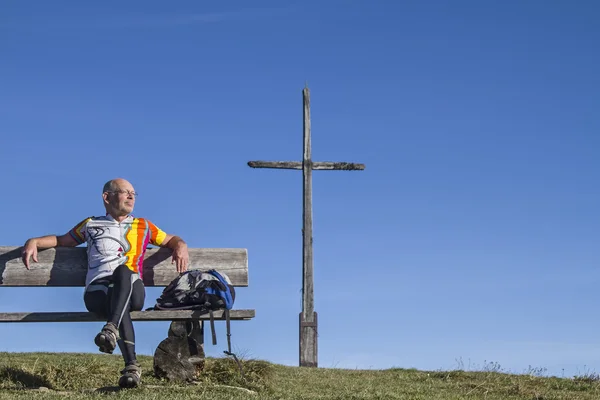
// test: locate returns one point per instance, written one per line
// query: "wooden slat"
(67, 266)
(135, 315)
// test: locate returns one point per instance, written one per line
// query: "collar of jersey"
(126, 220)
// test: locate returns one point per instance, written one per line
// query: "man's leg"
(127, 292)
(119, 297)
(126, 331)
(132, 373)
(96, 298)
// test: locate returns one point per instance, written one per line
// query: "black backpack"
(206, 291)
(198, 290)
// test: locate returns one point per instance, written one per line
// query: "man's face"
(122, 199)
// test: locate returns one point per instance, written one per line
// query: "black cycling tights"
(112, 298)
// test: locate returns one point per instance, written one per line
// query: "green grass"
(91, 376)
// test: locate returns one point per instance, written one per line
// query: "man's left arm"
(180, 251)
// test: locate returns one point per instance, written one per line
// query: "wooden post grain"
(308, 331)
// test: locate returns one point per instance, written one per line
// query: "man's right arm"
(31, 247)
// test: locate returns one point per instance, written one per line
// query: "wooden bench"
(181, 355)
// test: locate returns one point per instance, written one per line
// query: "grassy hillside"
(90, 376)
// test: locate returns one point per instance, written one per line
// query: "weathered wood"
(180, 357)
(152, 315)
(316, 165)
(308, 340)
(308, 345)
(308, 318)
(67, 266)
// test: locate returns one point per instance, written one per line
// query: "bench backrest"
(67, 266)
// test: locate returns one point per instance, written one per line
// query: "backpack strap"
(212, 327)
(228, 351)
(228, 330)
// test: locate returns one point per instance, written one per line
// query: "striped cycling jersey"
(110, 243)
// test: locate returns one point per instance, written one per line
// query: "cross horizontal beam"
(317, 165)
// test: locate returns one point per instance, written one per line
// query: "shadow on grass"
(108, 389)
(23, 378)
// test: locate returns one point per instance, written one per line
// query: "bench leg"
(180, 357)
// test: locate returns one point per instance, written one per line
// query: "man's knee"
(96, 302)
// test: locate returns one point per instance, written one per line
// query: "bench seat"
(151, 315)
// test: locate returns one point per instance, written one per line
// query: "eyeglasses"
(121, 191)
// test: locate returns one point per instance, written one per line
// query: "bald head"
(115, 184)
(119, 197)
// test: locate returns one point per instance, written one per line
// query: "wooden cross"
(308, 317)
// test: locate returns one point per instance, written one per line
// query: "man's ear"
(105, 197)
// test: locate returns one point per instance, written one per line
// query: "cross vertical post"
(308, 316)
(308, 353)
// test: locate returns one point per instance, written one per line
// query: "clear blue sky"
(472, 234)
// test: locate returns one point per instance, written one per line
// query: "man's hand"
(31, 247)
(30, 250)
(181, 257)
(180, 252)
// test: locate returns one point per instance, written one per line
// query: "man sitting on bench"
(116, 244)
